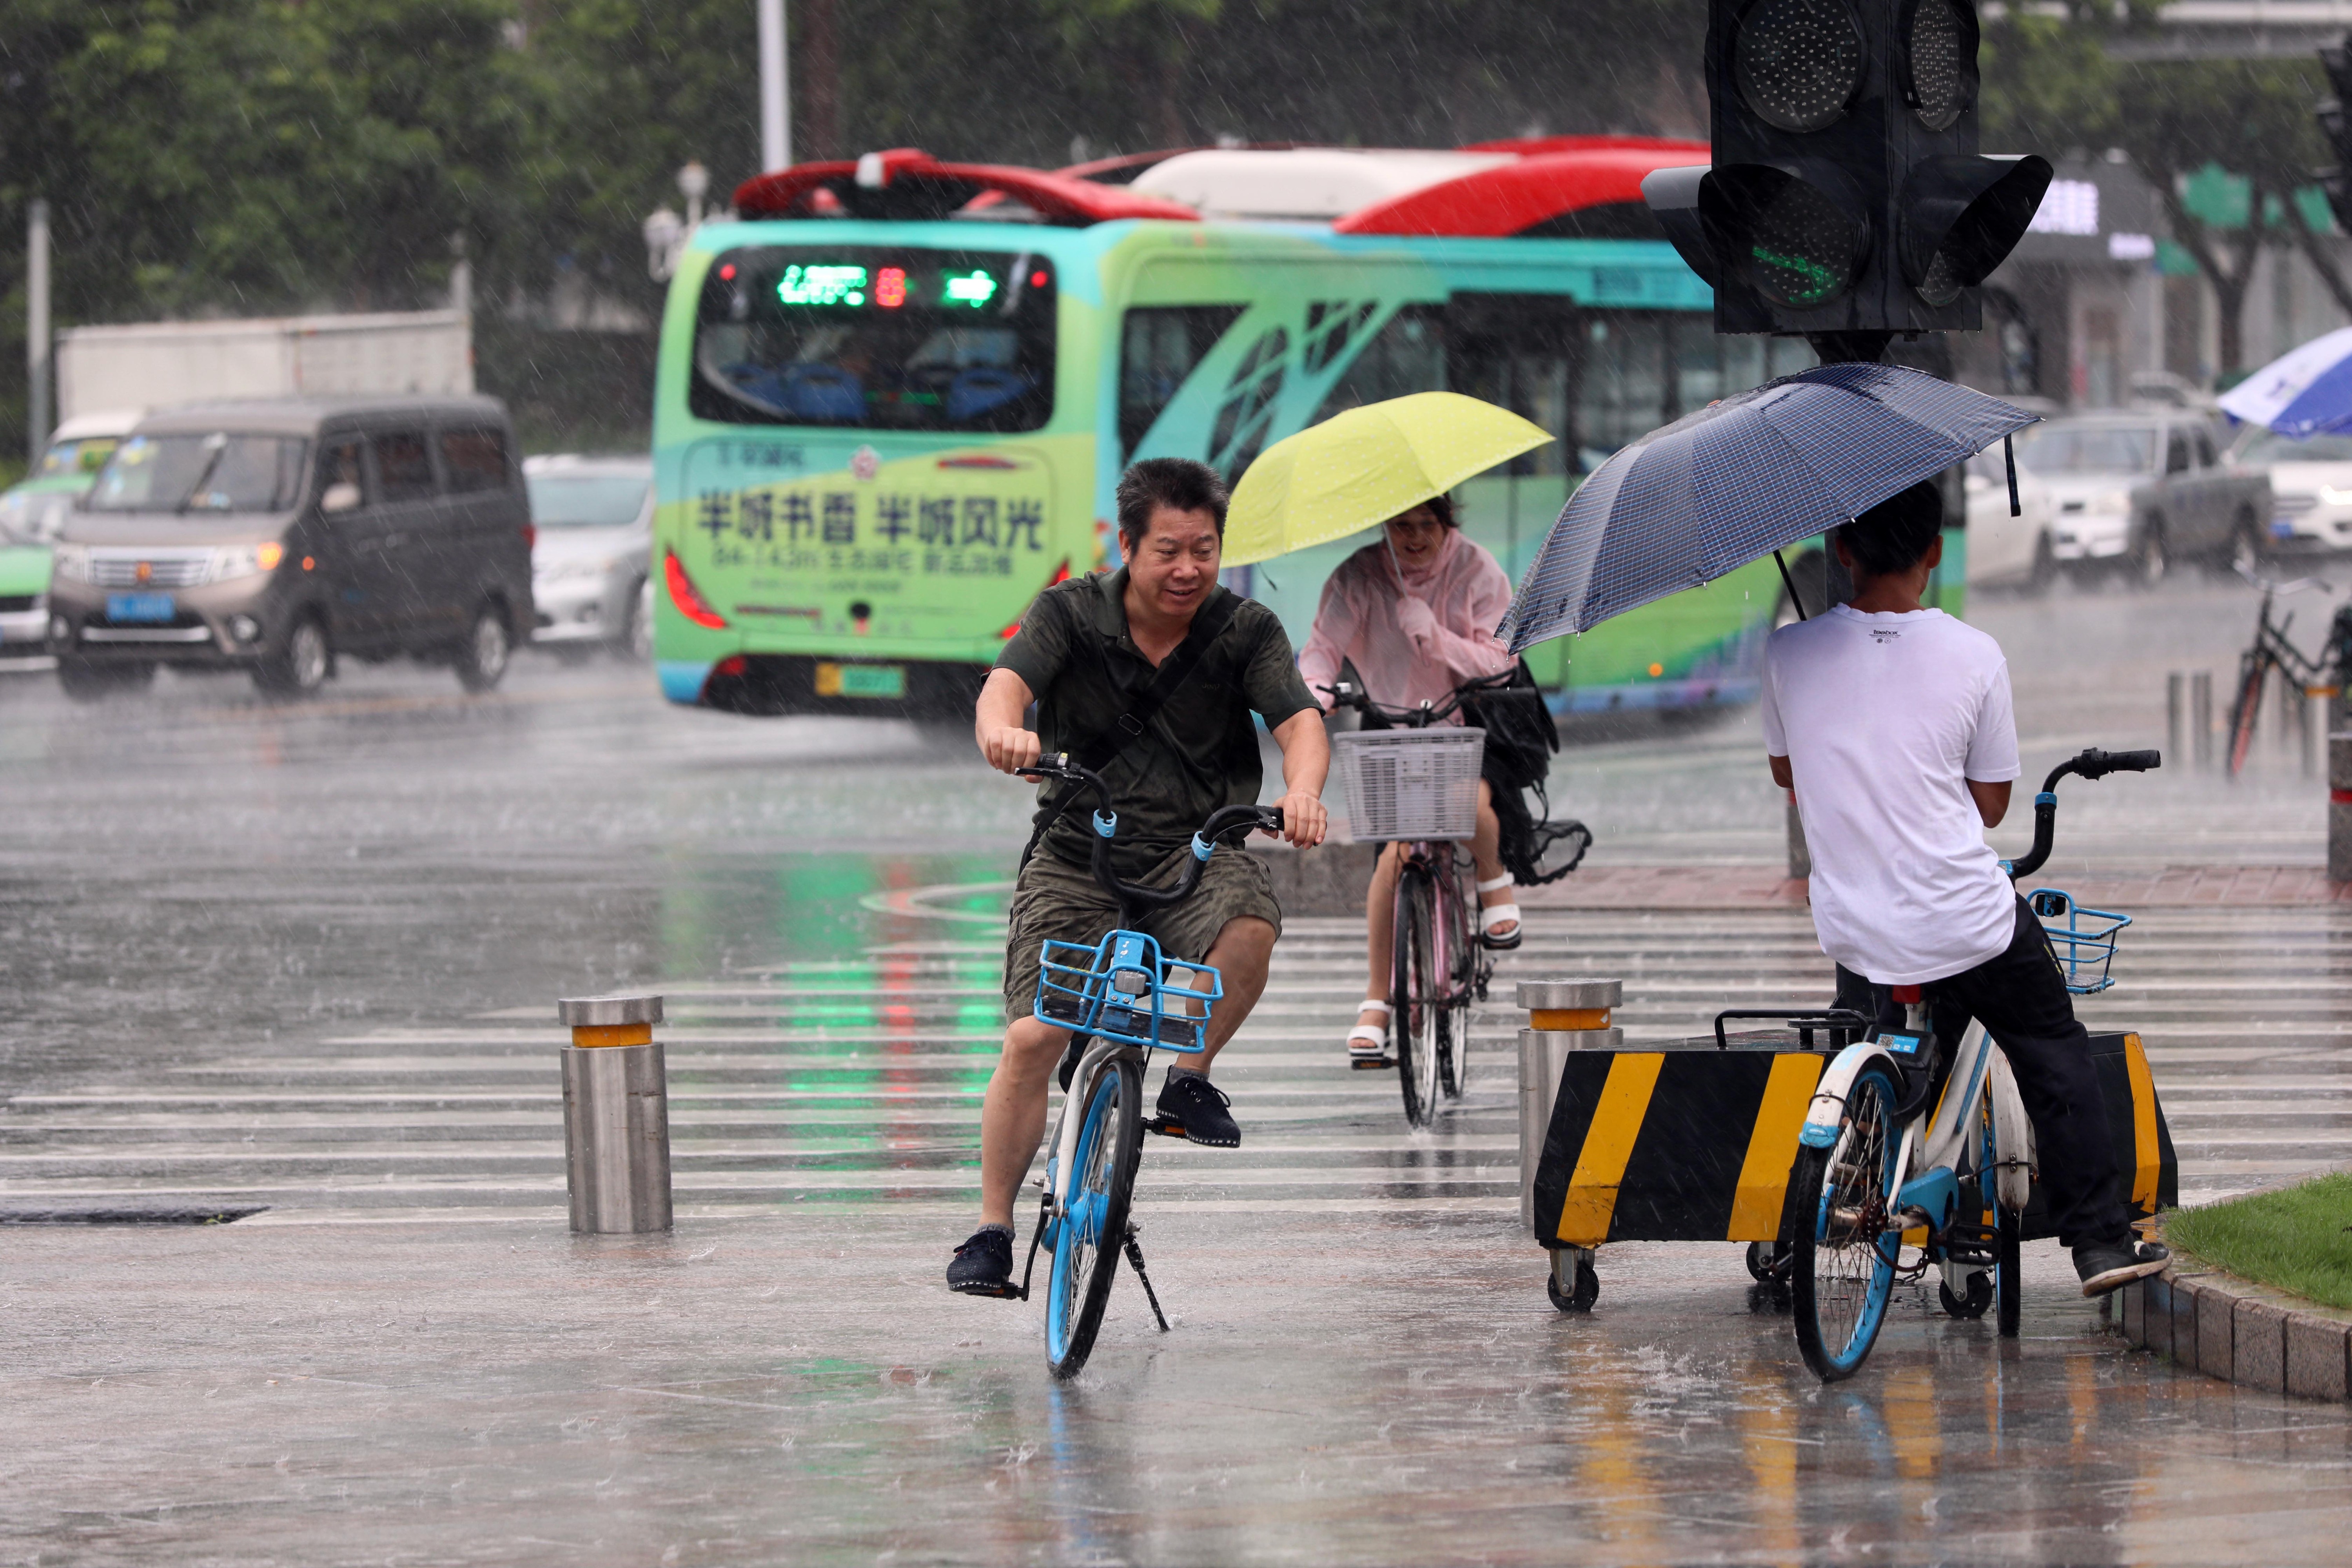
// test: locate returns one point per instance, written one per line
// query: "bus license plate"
(885, 680)
(141, 609)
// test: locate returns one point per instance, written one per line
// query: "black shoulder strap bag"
(1097, 752)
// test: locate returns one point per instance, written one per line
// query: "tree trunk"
(2229, 282)
(2315, 252)
(821, 77)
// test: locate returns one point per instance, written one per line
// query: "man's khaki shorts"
(1066, 903)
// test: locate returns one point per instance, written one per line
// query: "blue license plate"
(141, 609)
(2282, 528)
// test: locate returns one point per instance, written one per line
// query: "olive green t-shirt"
(1199, 752)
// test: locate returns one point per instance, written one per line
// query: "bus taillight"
(684, 596)
(1061, 574)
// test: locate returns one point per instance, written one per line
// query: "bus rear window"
(877, 339)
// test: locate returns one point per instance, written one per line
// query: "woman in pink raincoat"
(1413, 611)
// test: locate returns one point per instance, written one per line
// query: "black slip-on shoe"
(983, 1266)
(1192, 1107)
(2104, 1266)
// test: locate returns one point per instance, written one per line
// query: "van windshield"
(874, 338)
(201, 473)
(587, 500)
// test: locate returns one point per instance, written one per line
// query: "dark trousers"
(2022, 999)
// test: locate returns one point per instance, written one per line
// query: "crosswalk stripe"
(857, 1080)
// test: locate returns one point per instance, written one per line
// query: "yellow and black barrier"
(1687, 1141)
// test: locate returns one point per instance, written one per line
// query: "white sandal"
(1491, 917)
(1366, 1045)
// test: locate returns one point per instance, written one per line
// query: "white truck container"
(152, 364)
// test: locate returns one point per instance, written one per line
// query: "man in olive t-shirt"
(1087, 651)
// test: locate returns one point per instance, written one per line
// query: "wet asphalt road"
(204, 889)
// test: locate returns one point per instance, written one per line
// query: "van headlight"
(244, 561)
(2111, 503)
(71, 561)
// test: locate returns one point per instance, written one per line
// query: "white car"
(2311, 488)
(2007, 552)
(589, 578)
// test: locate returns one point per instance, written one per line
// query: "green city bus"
(895, 396)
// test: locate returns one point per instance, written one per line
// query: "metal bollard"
(615, 1115)
(2201, 717)
(2339, 805)
(2176, 713)
(1563, 1015)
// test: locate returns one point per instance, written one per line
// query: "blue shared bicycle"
(1121, 999)
(1914, 1142)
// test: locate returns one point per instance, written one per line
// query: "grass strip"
(2298, 1238)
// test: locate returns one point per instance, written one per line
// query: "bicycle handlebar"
(2092, 764)
(1222, 821)
(1347, 694)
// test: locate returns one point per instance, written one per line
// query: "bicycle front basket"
(1123, 989)
(1411, 784)
(2083, 939)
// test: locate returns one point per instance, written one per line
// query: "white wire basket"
(1411, 784)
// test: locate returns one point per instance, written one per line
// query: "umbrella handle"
(1791, 584)
(2009, 461)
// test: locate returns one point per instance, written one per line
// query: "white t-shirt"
(1883, 718)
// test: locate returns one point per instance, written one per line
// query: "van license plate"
(887, 681)
(141, 609)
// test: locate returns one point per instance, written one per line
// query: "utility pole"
(775, 91)
(36, 330)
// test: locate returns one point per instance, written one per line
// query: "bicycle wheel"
(2008, 1230)
(1459, 964)
(1844, 1270)
(1414, 994)
(2252, 674)
(1088, 1240)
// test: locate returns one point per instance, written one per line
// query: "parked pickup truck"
(2135, 491)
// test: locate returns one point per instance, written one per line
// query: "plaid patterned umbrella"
(1741, 478)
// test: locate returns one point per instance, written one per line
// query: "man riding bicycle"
(1147, 675)
(1893, 724)
(1414, 612)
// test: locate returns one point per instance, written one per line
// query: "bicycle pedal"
(1371, 1064)
(1164, 1127)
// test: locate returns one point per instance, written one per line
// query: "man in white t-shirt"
(1893, 724)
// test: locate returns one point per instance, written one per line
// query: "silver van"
(278, 536)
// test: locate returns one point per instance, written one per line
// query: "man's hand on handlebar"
(1009, 748)
(1304, 822)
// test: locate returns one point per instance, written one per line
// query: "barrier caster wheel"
(1586, 1286)
(1768, 1262)
(1972, 1306)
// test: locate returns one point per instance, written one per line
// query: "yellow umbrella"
(1364, 467)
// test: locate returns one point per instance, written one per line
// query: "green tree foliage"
(245, 157)
(2050, 87)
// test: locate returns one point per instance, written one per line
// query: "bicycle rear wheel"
(1088, 1238)
(1414, 995)
(1459, 962)
(2252, 674)
(1844, 1270)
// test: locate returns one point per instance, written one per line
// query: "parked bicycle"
(2320, 675)
(1415, 781)
(1121, 999)
(1906, 1138)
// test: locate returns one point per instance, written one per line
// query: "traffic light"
(2336, 59)
(1846, 194)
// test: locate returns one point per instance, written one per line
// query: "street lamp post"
(36, 329)
(775, 91)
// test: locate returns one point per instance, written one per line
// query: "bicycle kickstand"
(1135, 1261)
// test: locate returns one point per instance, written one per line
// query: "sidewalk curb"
(2242, 1332)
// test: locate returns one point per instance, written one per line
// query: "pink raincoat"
(1413, 640)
